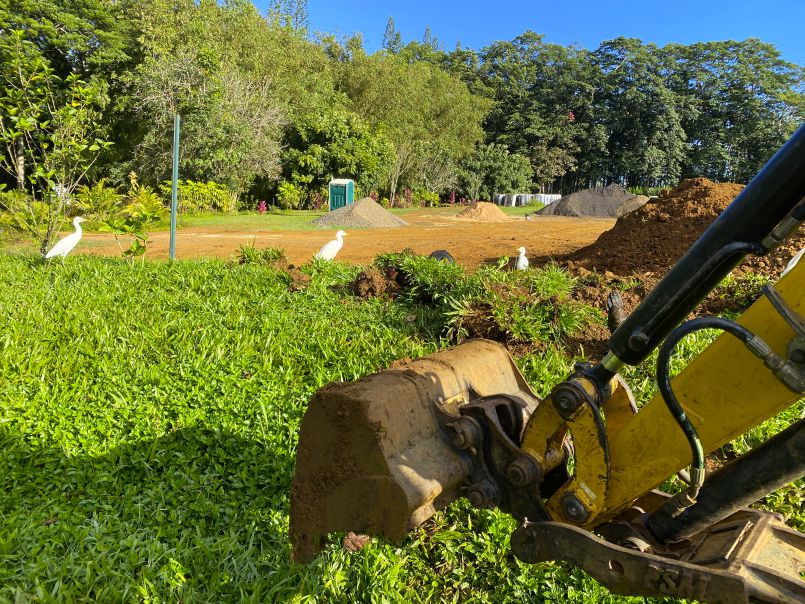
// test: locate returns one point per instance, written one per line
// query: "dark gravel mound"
(610, 202)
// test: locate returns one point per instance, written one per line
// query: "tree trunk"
(19, 163)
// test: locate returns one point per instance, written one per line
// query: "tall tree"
(421, 109)
(392, 40)
(289, 13)
(646, 145)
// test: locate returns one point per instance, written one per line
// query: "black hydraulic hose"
(664, 381)
(752, 216)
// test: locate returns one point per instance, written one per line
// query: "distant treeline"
(274, 111)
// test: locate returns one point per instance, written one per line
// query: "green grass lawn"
(148, 426)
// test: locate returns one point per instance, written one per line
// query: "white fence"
(524, 199)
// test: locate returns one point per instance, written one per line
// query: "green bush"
(249, 254)
(423, 197)
(289, 196)
(18, 211)
(96, 203)
(195, 197)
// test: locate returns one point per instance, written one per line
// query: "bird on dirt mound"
(66, 245)
(329, 250)
(522, 261)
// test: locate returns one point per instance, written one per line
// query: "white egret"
(66, 245)
(522, 261)
(331, 248)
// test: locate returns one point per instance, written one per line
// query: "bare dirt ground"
(471, 243)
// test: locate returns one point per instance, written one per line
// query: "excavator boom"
(382, 454)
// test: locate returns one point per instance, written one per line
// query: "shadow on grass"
(197, 514)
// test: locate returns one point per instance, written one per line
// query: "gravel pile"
(483, 211)
(610, 202)
(364, 213)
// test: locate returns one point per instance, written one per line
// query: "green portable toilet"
(342, 193)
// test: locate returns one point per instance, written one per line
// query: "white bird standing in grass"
(331, 248)
(66, 245)
(522, 261)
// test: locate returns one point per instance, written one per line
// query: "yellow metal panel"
(725, 391)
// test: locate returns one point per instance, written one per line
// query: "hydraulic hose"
(755, 344)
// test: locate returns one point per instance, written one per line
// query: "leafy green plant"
(98, 202)
(195, 197)
(423, 197)
(51, 132)
(289, 196)
(143, 207)
(249, 254)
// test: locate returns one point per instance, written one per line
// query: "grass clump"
(249, 254)
(515, 307)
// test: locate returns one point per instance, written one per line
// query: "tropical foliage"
(89, 91)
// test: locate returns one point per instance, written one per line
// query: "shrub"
(289, 196)
(143, 207)
(203, 196)
(318, 201)
(249, 254)
(18, 211)
(423, 197)
(98, 202)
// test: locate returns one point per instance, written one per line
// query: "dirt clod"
(354, 543)
(299, 280)
(374, 283)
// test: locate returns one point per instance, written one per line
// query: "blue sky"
(477, 23)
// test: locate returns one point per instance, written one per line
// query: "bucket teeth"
(372, 457)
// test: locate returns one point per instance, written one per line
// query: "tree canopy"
(266, 105)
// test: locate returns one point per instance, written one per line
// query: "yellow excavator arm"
(383, 454)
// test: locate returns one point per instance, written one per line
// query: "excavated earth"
(483, 211)
(652, 238)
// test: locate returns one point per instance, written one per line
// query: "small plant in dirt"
(249, 254)
(523, 307)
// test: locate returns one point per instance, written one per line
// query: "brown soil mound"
(483, 211)
(373, 282)
(364, 213)
(652, 238)
(609, 202)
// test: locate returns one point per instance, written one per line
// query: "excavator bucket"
(372, 457)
